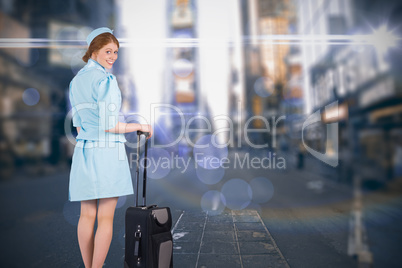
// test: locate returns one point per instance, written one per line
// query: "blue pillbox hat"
(97, 32)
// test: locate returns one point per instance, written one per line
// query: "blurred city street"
(309, 218)
(277, 138)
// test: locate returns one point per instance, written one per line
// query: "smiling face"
(107, 55)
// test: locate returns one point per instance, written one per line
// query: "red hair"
(99, 42)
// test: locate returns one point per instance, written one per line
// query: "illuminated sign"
(335, 114)
(381, 90)
(353, 68)
(273, 55)
(182, 16)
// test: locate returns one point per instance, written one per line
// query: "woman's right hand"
(131, 127)
(147, 128)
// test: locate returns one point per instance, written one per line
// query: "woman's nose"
(114, 56)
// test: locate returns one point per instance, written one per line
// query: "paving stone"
(213, 226)
(184, 260)
(249, 226)
(219, 236)
(187, 236)
(245, 212)
(194, 216)
(231, 239)
(214, 247)
(263, 261)
(253, 248)
(217, 260)
(186, 247)
(221, 219)
(246, 218)
(252, 236)
(185, 226)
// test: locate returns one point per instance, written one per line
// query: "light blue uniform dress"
(99, 166)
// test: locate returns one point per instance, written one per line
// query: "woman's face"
(107, 55)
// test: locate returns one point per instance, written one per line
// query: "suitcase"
(148, 239)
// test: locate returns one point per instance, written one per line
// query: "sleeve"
(109, 102)
(75, 115)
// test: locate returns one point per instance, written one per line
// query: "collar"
(94, 64)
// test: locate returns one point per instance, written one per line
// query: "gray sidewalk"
(231, 239)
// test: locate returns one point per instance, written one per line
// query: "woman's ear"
(94, 55)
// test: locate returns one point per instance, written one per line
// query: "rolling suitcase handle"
(148, 235)
(144, 183)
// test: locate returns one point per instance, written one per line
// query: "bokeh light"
(76, 62)
(159, 163)
(255, 206)
(121, 201)
(121, 234)
(237, 193)
(213, 202)
(264, 86)
(262, 188)
(66, 34)
(33, 58)
(210, 176)
(207, 154)
(182, 67)
(31, 96)
(71, 212)
(82, 34)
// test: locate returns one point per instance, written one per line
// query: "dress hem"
(99, 197)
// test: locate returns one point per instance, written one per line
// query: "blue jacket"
(96, 101)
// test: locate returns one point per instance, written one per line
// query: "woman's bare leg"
(85, 230)
(104, 231)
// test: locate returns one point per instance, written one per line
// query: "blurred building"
(195, 71)
(38, 65)
(316, 21)
(219, 29)
(183, 68)
(364, 80)
(25, 98)
(265, 58)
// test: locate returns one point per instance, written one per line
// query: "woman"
(99, 169)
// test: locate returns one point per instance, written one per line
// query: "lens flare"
(383, 39)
